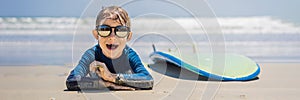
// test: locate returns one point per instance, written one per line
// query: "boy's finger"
(97, 62)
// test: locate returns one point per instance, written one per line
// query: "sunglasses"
(105, 31)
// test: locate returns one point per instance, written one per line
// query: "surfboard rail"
(157, 56)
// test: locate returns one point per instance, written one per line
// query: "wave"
(226, 25)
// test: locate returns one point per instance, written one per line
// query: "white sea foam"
(228, 25)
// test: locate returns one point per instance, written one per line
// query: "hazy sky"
(286, 9)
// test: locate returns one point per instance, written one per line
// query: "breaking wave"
(69, 25)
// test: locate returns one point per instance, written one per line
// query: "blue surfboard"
(236, 67)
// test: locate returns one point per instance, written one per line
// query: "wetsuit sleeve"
(141, 77)
(82, 68)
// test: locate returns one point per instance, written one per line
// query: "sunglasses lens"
(122, 28)
(122, 34)
(104, 33)
(122, 31)
(103, 30)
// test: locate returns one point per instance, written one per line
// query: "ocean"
(62, 40)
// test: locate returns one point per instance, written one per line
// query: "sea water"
(62, 40)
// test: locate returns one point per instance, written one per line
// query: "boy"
(111, 59)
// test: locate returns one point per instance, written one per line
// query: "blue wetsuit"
(128, 67)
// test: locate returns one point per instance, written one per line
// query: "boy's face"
(112, 46)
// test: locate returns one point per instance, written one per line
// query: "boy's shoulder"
(91, 50)
(128, 49)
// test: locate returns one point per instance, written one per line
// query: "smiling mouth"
(112, 46)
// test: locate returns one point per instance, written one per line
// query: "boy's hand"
(103, 72)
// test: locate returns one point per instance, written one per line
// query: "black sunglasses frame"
(110, 29)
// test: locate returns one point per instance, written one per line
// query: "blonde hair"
(115, 13)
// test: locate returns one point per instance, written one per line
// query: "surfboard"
(236, 67)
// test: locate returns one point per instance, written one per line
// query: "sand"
(277, 81)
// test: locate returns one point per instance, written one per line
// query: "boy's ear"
(95, 34)
(129, 36)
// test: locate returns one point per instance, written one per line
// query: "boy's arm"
(141, 77)
(77, 79)
(82, 69)
(138, 80)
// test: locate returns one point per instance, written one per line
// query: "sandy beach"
(277, 81)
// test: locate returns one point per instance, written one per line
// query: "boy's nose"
(113, 33)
